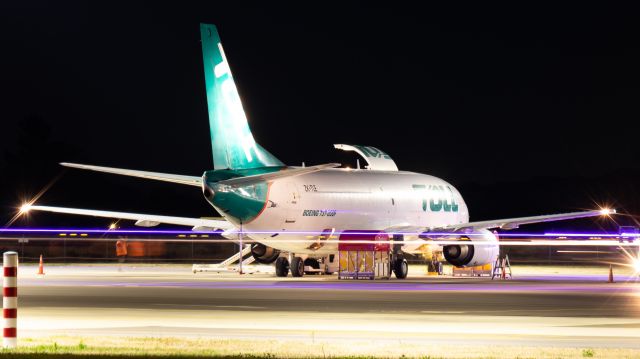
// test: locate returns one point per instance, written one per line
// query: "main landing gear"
(297, 267)
(303, 264)
(283, 267)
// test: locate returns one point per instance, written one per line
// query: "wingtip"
(72, 165)
(607, 211)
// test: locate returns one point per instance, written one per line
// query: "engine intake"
(467, 254)
(458, 255)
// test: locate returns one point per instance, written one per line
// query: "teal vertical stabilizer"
(231, 139)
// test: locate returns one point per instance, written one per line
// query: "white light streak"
(550, 243)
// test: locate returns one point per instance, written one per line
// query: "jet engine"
(467, 254)
(264, 254)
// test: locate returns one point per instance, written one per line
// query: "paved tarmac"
(561, 310)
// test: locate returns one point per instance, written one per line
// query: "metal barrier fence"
(202, 248)
(87, 249)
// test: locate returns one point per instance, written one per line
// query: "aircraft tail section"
(231, 139)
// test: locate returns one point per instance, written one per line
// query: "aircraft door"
(292, 212)
(387, 206)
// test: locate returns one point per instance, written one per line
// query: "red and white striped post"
(10, 299)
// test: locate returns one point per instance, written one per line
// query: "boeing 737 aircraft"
(259, 195)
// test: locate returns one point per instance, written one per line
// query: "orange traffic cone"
(610, 273)
(41, 267)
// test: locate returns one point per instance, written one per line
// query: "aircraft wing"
(167, 177)
(513, 223)
(197, 181)
(144, 220)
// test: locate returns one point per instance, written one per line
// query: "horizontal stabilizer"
(142, 219)
(167, 177)
(267, 177)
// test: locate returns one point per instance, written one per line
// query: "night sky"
(527, 110)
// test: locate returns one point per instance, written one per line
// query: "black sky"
(478, 95)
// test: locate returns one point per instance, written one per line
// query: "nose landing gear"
(400, 268)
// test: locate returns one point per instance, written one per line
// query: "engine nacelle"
(263, 254)
(467, 254)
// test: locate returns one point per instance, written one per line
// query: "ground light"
(607, 211)
(634, 259)
(25, 208)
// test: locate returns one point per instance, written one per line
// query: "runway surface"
(565, 310)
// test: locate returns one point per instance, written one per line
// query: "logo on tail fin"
(231, 139)
(232, 99)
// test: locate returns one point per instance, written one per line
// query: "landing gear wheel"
(282, 267)
(297, 267)
(400, 268)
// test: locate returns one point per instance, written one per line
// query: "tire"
(282, 267)
(400, 268)
(297, 267)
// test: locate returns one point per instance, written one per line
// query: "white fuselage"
(334, 200)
